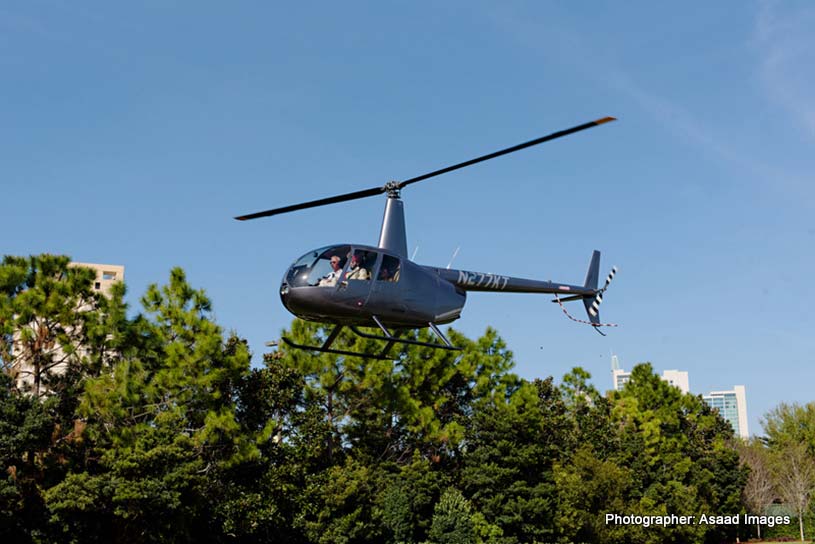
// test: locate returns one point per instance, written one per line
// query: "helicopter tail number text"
(477, 279)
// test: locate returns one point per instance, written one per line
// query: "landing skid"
(390, 339)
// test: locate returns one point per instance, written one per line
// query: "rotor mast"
(393, 236)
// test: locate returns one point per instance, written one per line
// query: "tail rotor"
(593, 304)
(592, 300)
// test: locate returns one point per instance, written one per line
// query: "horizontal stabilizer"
(569, 299)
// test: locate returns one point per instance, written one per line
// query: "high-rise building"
(619, 377)
(732, 406)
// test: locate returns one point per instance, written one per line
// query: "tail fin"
(593, 272)
(591, 302)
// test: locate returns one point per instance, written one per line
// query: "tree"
(795, 477)
(790, 437)
(49, 320)
(163, 423)
(512, 446)
(679, 454)
(340, 505)
(790, 423)
(759, 490)
(587, 488)
(26, 439)
(452, 520)
(55, 332)
(385, 410)
(409, 499)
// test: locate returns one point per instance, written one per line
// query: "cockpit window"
(389, 271)
(321, 267)
(361, 266)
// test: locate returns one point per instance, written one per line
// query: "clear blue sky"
(132, 134)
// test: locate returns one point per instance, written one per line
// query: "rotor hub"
(393, 189)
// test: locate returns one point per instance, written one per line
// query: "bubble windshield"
(319, 268)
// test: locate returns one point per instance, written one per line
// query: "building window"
(97, 285)
(108, 275)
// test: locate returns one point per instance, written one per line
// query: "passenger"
(389, 270)
(330, 279)
(356, 271)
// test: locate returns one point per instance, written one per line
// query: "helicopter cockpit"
(328, 266)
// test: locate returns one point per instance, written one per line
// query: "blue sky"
(132, 134)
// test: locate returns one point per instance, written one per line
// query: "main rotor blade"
(314, 203)
(508, 150)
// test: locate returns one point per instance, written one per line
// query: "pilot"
(330, 279)
(356, 271)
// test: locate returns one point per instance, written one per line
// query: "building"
(106, 275)
(24, 370)
(677, 378)
(732, 406)
(619, 377)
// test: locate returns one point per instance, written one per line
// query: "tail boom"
(479, 281)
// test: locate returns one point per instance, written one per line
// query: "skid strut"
(390, 340)
(326, 347)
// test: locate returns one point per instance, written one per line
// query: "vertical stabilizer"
(592, 303)
(593, 273)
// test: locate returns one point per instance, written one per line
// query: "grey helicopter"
(355, 285)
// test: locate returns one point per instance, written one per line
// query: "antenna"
(453, 258)
(415, 251)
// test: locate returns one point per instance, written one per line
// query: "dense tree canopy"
(157, 429)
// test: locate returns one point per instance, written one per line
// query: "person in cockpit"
(355, 270)
(330, 279)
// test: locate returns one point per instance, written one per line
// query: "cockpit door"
(386, 298)
(357, 280)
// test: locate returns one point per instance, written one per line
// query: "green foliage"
(410, 497)
(26, 460)
(49, 322)
(154, 428)
(163, 421)
(680, 455)
(512, 446)
(790, 458)
(55, 331)
(341, 505)
(452, 520)
(790, 424)
(148, 492)
(386, 410)
(182, 378)
(587, 488)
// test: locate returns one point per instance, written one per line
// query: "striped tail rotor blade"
(610, 277)
(594, 309)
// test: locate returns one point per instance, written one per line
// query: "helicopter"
(355, 285)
